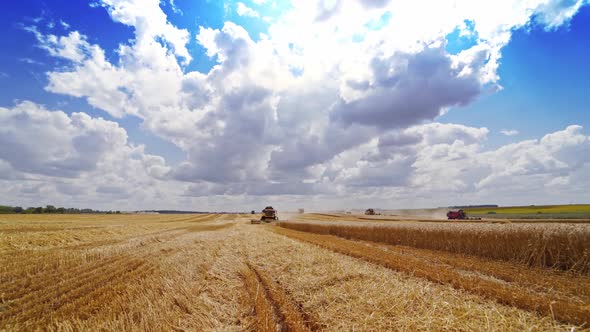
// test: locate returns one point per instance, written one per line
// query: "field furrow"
(273, 308)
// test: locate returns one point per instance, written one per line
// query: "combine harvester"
(268, 214)
(371, 212)
(459, 215)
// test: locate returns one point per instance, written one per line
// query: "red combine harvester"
(459, 215)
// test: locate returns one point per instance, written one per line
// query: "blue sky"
(531, 102)
(26, 65)
(545, 76)
(314, 89)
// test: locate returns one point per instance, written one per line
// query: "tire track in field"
(272, 307)
(526, 299)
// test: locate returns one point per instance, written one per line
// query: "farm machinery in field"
(371, 212)
(459, 215)
(268, 214)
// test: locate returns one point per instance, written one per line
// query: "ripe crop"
(561, 246)
(219, 272)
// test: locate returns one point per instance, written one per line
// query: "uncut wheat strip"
(561, 310)
(331, 218)
(567, 244)
(560, 246)
(568, 286)
(362, 296)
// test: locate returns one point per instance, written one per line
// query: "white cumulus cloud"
(71, 157)
(308, 109)
(244, 10)
(509, 132)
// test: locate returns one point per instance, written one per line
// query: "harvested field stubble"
(219, 273)
(163, 273)
(560, 246)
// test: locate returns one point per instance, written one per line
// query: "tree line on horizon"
(51, 209)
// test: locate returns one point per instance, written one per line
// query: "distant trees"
(4, 209)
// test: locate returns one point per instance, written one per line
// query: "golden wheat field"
(220, 273)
